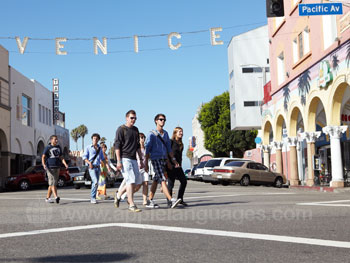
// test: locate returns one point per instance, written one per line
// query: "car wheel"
(76, 186)
(245, 180)
(24, 185)
(214, 183)
(225, 183)
(278, 182)
(60, 182)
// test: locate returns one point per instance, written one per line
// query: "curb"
(326, 189)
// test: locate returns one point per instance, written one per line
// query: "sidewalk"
(321, 189)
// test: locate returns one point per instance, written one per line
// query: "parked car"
(191, 174)
(208, 168)
(247, 172)
(198, 174)
(75, 171)
(35, 175)
(85, 179)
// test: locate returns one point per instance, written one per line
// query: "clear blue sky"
(97, 90)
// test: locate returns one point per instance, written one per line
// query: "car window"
(73, 169)
(235, 163)
(212, 163)
(29, 170)
(38, 169)
(252, 166)
(201, 165)
(261, 167)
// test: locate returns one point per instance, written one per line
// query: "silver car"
(247, 172)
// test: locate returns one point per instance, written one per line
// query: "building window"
(252, 103)
(255, 70)
(50, 117)
(300, 45)
(233, 106)
(47, 116)
(278, 21)
(26, 110)
(330, 31)
(280, 69)
(306, 40)
(39, 112)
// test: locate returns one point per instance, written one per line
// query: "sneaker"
(116, 201)
(58, 200)
(48, 200)
(183, 203)
(93, 201)
(169, 203)
(134, 209)
(151, 204)
(174, 202)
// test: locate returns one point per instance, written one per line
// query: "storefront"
(308, 119)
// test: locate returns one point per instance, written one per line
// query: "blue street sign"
(320, 9)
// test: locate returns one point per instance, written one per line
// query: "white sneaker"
(175, 202)
(93, 201)
(151, 204)
(49, 200)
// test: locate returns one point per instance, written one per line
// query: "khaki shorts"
(52, 176)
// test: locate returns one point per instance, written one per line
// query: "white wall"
(248, 50)
(22, 136)
(197, 131)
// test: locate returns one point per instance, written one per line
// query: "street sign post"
(320, 9)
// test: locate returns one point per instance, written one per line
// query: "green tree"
(83, 130)
(214, 118)
(103, 139)
(75, 136)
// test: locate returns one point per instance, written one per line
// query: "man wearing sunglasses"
(158, 149)
(127, 144)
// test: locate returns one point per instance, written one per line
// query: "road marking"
(160, 200)
(276, 238)
(328, 203)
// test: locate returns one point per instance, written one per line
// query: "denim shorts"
(131, 172)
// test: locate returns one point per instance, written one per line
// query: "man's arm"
(64, 162)
(43, 161)
(141, 158)
(119, 160)
(146, 163)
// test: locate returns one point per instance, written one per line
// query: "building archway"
(4, 158)
(39, 150)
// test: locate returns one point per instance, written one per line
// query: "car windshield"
(29, 170)
(212, 163)
(235, 163)
(201, 165)
(73, 170)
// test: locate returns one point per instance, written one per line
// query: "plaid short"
(159, 169)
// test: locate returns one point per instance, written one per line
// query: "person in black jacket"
(177, 172)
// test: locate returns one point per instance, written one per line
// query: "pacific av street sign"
(320, 9)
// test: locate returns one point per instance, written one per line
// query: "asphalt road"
(221, 224)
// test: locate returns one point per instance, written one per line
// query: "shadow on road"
(112, 257)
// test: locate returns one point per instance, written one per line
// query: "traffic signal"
(274, 8)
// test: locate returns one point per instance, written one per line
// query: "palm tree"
(83, 130)
(286, 96)
(75, 136)
(103, 139)
(335, 62)
(304, 86)
(348, 54)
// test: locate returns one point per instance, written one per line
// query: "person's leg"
(183, 183)
(54, 190)
(94, 174)
(130, 193)
(153, 189)
(171, 182)
(49, 192)
(145, 192)
(122, 189)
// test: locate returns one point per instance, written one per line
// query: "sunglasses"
(161, 119)
(133, 118)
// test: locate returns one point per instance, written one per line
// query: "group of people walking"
(136, 155)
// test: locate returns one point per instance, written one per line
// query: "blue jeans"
(94, 174)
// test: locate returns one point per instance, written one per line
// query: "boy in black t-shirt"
(51, 160)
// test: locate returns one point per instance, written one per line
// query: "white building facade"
(248, 64)
(199, 151)
(23, 146)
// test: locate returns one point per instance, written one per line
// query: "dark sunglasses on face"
(161, 119)
(133, 118)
